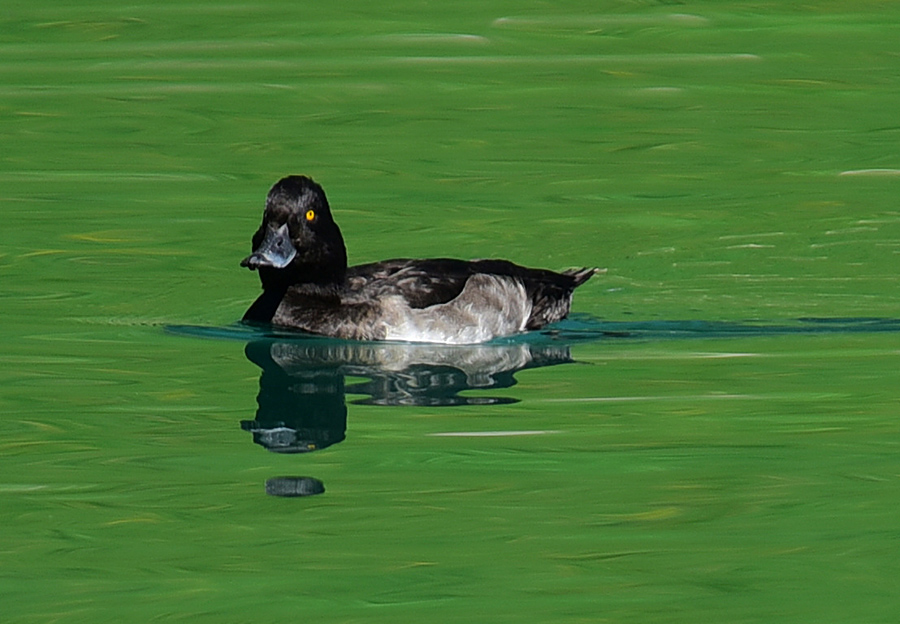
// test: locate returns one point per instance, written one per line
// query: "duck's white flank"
(488, 306)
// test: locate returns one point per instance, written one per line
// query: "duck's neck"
(313, 278)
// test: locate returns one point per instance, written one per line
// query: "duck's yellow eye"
(310, 215)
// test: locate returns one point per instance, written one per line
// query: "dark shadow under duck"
(302, 262)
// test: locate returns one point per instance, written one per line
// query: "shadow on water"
(581, 328)
(302, 403)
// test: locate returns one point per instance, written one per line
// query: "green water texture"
(731, 162)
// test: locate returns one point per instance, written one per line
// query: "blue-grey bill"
(276, 250)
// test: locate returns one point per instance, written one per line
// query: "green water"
(725, 161)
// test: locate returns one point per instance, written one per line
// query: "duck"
(299, 253)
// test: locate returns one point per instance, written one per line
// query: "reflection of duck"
(300, 408)
(301, 388)
(302, 263)
(301, 399)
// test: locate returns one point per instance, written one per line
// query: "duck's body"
(307, 285)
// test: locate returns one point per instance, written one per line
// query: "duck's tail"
(552, 298)
(583, 274)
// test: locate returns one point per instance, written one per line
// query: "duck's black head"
(298, 241)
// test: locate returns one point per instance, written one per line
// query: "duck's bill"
(276, 250)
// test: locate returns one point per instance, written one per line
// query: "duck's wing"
(422, 283)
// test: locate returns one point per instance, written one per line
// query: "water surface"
(705, 455)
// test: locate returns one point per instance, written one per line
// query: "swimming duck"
(302, 263)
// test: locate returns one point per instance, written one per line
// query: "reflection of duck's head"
(299, 410)
(298, 240)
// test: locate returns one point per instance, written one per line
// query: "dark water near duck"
(712, 436)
